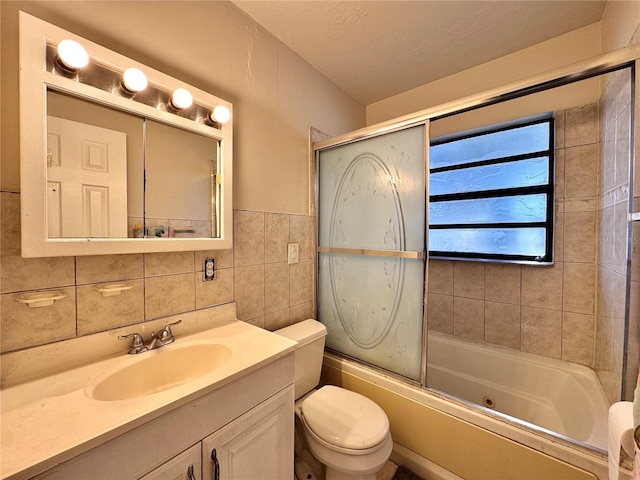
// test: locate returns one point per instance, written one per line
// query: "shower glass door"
(371, 249)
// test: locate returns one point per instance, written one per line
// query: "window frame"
(548, 189)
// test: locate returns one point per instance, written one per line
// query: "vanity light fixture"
(133, 80)
(71, 56)
(181, 98)
(220, 114)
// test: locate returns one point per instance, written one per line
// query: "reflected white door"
(371, 242)
(86, 179)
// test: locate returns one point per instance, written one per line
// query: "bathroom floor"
(391, 471)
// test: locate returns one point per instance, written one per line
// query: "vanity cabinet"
(249, 422)
(252, 447)
(186, 466)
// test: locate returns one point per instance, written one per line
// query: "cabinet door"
(257, 445)
(185, 466)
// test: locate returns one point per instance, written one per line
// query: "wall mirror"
(117, 157)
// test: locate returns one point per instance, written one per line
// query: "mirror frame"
(35, 81)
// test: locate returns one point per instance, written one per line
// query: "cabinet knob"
(190, 474)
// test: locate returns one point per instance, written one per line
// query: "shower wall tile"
(579, 288)
(440, 277)
(558, 235)
(581, 173)
(468, 280)
(607, 154)
(503, 283)
(581, 125)
(620, 237)
(578, 338)
(542, 331)
(617, 356)
(603, 346)
(97, 313)
(542, 287)
(559, 173)
(468, 318)
(108, 268)
(24, 327)
(440, 313)
(169, 295)
(559, 117)
(502, 324)
(622, 146)
(607, 236)
(580, 237)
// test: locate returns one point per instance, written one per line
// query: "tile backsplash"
(255, 274)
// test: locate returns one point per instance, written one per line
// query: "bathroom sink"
(158, 370)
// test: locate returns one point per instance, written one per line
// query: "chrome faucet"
(158, 339)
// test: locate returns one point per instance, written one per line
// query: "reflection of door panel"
(87, 177)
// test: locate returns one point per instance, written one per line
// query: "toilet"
(338, 431)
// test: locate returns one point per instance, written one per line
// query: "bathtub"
(562, 420)
(558, 396)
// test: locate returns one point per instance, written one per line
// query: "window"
(491, 193)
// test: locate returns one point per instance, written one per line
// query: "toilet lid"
(344, 418)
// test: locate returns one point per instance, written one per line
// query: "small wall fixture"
(220, 114)
(71, 56)
(113, 289)
(40, 299)
(181, 99)
(134, 80)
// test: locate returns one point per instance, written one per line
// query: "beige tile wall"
(549, 311)
(613, 198)
(268, 292)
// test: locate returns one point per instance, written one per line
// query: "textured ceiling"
(377, 49)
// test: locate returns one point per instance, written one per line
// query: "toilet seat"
(334, 448)
(344, 421)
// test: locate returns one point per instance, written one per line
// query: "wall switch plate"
(292, 253)
(209, 269)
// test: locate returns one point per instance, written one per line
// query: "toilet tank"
(308, 355)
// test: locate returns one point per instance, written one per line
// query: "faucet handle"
(166, 335)
(137, 343)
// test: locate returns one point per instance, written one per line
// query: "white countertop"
(49, 420)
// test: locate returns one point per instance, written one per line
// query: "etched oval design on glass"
(367, 192)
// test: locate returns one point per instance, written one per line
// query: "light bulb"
(220, 114)
(72, 55)
(181, 98)
(134, 80)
